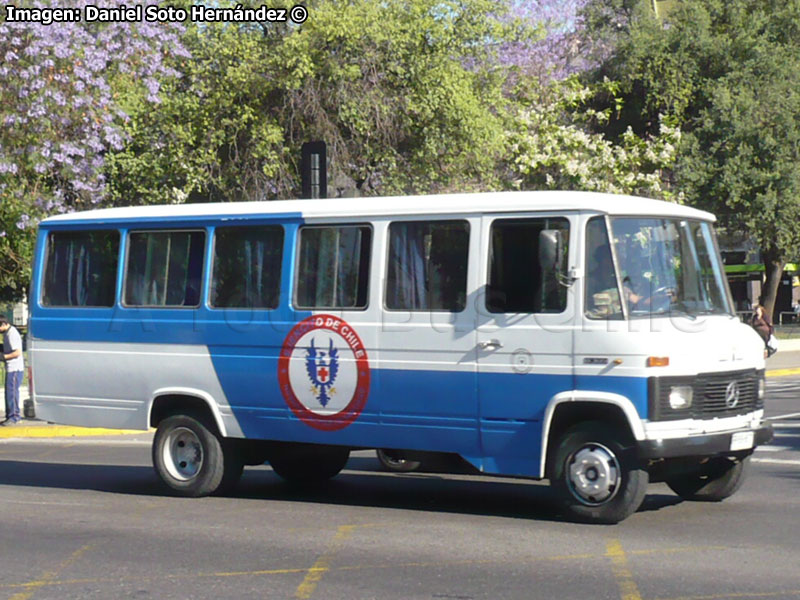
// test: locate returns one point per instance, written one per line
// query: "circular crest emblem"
(323, 372)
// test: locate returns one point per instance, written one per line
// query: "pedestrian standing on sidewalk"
(12, 356)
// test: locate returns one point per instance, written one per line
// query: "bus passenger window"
(247, 267)
(427, 265)
(333, 267)
(164, 268)
(516, 281)
(81, 268)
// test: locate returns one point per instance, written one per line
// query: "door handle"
(490, 345)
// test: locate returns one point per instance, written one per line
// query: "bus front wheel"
(598, 479)
(192, 460)
(712, 481)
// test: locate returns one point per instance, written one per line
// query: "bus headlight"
(762, 388)
(680, 396)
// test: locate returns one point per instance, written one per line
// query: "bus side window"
(164, 268)
(247, 267)
(81, 268)
(333, 267)
(516, 283)
(427, 265)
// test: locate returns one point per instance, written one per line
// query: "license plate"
(742, 440)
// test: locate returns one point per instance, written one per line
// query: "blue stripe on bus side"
(422, 410)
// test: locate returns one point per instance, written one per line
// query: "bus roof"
(489, 202)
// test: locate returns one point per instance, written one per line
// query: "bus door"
(425, 381)
(525, 335)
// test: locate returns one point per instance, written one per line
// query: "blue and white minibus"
(585, 338)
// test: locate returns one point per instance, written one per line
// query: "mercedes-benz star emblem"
(732, 395)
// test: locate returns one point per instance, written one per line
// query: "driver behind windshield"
(601, 286)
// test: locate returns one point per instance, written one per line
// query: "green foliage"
(402, 92)
(554, 146)
(728, 71)
(16, 249)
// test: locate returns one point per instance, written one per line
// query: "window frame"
(623, 315)
(296, 274)
(212, 265)
(388, 243)
(46, 254)
(203, 274)
(526, 218)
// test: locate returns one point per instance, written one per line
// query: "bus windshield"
(664, 266)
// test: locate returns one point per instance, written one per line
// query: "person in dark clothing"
(763, 326)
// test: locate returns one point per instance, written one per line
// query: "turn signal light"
(658, 361)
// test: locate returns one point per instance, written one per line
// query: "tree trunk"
(773, 268)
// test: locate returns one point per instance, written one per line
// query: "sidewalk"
(786, 361)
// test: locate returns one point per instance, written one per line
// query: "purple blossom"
(556, 53)
(24, 222)
(153, 86)
(56, 105)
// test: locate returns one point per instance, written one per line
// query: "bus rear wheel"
(713, 481)
(598, 479)
(308, 463)
(392, 460)
(192, 460)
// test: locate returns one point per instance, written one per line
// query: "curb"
(782, 372)
(61, 431)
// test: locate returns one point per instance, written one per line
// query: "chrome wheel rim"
(593, 474)
(183, 454)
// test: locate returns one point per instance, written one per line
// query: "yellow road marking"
(623, 575)
(779, 372)
(55, 431)
(48, 577)
(391, 565)
(315, 573)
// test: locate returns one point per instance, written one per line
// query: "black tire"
(596, 474)
(192, 460)
(308, 463)
(713, 481)
(394, 462)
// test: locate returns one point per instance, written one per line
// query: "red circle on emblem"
(321, 374)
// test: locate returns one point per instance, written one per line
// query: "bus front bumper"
(712, 444)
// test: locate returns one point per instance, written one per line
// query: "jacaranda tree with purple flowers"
(63, 90)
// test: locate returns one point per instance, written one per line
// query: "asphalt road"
(86, 518)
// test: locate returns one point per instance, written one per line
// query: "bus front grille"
(714, 395)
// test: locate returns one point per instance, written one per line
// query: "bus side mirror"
(549, 249)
